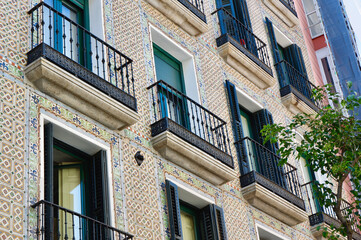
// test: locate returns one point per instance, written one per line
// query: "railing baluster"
(65, 225)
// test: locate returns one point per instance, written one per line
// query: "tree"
(331, 144)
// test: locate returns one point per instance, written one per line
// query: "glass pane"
(69, 35)
(188, 229)
(70, 198)
(316, 30)
(309, 6)
(312, 19)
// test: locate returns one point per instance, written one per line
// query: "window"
(289, 62)
(199, 220)
(253, 155)
(314, 22)
(76, 179)
(328, 74)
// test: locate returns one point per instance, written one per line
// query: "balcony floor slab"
(296, 103)
(74, 92)
(284, 13)
(270, 202)
(181, 15)
(193, 159)
(246, 66)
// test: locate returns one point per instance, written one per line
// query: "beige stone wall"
(139, 194)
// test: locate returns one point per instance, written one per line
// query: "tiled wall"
(139, 192)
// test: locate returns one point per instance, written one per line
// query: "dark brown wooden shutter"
(212, 223)
(237, 128)
(49, 179)
(174, 211)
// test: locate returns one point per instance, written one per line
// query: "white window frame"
(270, 230)
(319, 22)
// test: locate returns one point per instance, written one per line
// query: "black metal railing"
(50, 27)
(198, 4)
(265, 162)
(169, 103)
(243, 35)
(289, 75)
(314, 207)
(290, 5)
(56, 222)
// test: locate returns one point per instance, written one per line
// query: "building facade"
(142, 119)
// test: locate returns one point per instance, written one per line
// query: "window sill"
(283, 12)
(116, 113)
(189, 18)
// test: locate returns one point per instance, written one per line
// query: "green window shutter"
(97, 172)
(295, 58)
(213, 224)
(49, 179)
(237, 128)
(276, 54)
(49, 164)
(174, 211)
(273, 41)
(267, 160)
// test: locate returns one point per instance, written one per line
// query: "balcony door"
(239, 27)
(248, 133)
(170, 70)
(76, 181)
(65, 35)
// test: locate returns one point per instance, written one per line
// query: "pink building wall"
(309, 43)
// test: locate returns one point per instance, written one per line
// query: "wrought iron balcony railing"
(265, 162)
(242, 35)
(56, 222)
(290, 5)
(290, 76)
(55, 31)
(316, 211)
(169, 103)
(196, 6)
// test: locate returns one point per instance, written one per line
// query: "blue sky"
(353, 9)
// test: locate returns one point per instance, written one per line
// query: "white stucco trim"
(189, 194)
(247, 101)
(45, 116)
(277, 234)
(185, 57)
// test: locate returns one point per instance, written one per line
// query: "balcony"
(269, 187)
(70, 64)
(296, 89)
(284, 9)
(243, 50)
(189, 135)
(187, 14)
(324, 217)
(56, 222)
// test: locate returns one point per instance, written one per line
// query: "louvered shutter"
(99, 187)
(280, 68)
(49, 179)
(237, 128)
(98, 194)
(174, 211)
(293, 55)
(267, 161)
(212, 223)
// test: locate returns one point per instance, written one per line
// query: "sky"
(353, 9)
